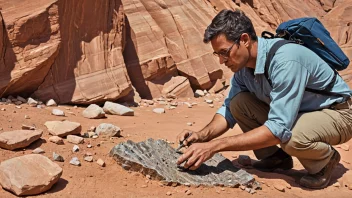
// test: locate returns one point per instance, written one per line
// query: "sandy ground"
(91, 180)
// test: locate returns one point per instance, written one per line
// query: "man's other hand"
(195, 137)
(196, 154)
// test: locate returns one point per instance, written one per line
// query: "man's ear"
(245, 39)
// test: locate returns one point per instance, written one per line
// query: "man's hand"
(196, 154)
(195, 137)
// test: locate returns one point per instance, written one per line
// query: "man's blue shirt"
(292, 69)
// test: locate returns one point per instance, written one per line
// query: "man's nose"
(222, 60)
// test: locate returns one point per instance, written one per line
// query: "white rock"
(107, 130)
(26, 117)
(29, 174)
(75, 139)
(57, 157)
(75, 148)
(51, 102)
(101, 162)
(27, 127)
(117, 109)
(159, 110)
(31, 102)
(199, 93)
(189, 123)
(88, 158)
(38, 151)
(58, 112)
(93, 111)
(75, 161)
(209, 101)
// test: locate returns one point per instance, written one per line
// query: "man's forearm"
(217, 126)
(257, 138)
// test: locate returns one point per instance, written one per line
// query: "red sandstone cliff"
(90, 51)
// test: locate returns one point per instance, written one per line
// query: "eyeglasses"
(225, 54)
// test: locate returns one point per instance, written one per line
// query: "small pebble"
(75, 148)
(38, 151)
(101, 162)
(75, 161)
(168, 193)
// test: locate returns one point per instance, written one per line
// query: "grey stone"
(107, 130)
(57, 157)
(75, 161)
(93, 111)
(38, 151)
(12, 140)
(244, 160)
(75, 148)
(117, 109)
(157, 159)
(19, 98)
(159, 110)
(51, 102)
(58, 112)
(29, 174)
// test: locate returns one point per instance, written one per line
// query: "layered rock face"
(92, 51)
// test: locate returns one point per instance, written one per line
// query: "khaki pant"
(312, 134)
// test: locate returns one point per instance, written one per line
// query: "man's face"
(234, 56)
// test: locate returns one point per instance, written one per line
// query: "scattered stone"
(19, 98)
(75, 161)
(51, 103)
(57, 157)
(74, 139)
(18, 103)
(3, 109)
(27, 127)
(188, 192)
(95, 136)
(88, 158)
(189, 123)
(168, 193)
(29, 174)
(188, 104)
(107, 130)
(209, 101)
(56, 139)
(279, 187)
(101, 162)
(31, 102)
(159, 110)
(242, 187)
(350, 187)
(174, 104)
(211, 106)
(89, 146)
(172, 107)
(288, 186)
(57, 112)
(93, 111)
(199, 93)
(63, 128)
(75, 148)
(91, 129)
(149, 102)
(337, 184)
(117, 109)
(38, 151)
(12, 140)
(14, 111)
(244, 160)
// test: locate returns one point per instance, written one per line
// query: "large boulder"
(63, 128)
(12, 140)
(29, 174)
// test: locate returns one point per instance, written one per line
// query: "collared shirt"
(292, 69)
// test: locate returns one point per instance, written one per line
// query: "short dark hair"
(232, 24)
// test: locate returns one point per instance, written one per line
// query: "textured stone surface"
(178, 86)
(63, 128)
(107, 130)
(93, 111)
(157, 159)
(29, 174)
(19, 139)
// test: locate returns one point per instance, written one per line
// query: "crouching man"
(304, 124)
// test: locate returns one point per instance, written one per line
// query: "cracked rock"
(157, 159)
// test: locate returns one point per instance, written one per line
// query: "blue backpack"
(310, 33)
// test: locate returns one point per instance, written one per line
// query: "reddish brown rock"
(12, 140)
(178, 86)
(29, 175)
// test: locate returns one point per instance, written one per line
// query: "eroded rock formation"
(92, 51)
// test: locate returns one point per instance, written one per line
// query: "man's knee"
(239, 101)
(296, 144)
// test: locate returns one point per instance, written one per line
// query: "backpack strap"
(271, 54)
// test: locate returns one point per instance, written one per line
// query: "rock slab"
(63, 128)
(117, 109)
(12, 140)
(29, 174)
(157, 159)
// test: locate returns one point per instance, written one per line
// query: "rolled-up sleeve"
(224, 110)
(289, 80)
